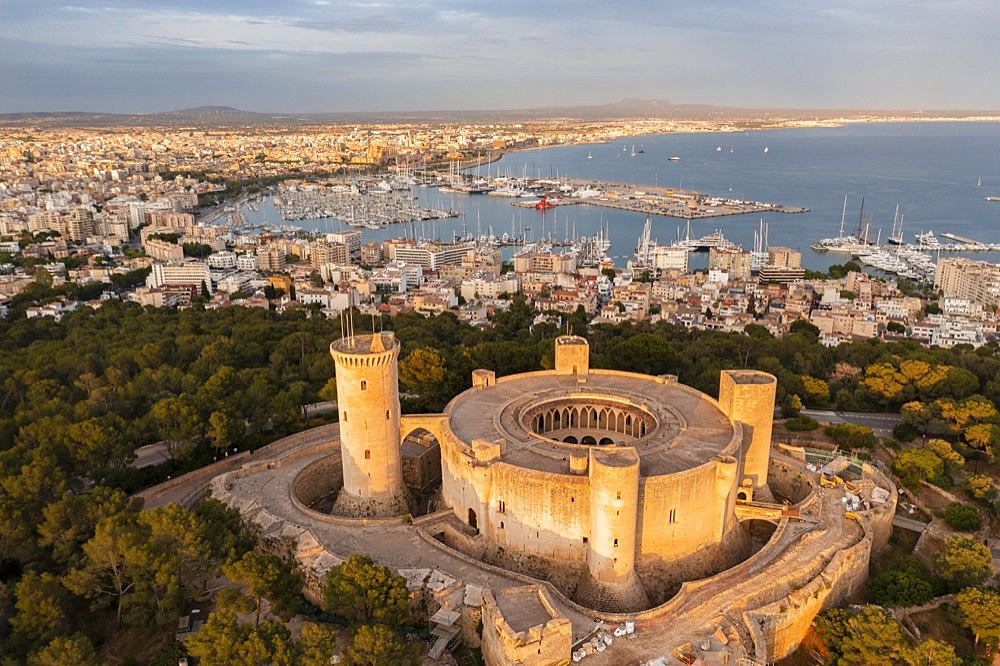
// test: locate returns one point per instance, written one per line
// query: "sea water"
(939, 174)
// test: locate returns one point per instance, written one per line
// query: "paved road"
(881, 423)
(151, 454)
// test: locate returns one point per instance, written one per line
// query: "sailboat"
(633, 150)
(765, 149)
(896, 237)
(589, 156)
(847, 244)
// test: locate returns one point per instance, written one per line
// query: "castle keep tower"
(748, 396)
(368, 400)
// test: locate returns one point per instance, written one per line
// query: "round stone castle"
(623, 496)
(632, 479)
(635, 476)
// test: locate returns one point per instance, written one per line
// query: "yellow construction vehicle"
(828, 480)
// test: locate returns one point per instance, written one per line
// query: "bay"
(939, 174)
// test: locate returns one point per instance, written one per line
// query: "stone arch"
(418, 425)
(606, 441)
(588, 440)
(570, 440)
(473, 519)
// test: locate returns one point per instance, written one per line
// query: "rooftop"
(690, 428)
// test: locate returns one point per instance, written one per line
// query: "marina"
(356, 205)
(886, 164)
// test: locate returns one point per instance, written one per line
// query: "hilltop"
(631, 108)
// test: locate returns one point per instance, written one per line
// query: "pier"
(654, 200)
(960, 239)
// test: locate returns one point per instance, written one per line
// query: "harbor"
(654, 200)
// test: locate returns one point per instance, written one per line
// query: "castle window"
(364, 385)
(616, 543)
(387, 415)
(368, 454)
(619, 494)
(501, 524)
(585, 541)
(345, 417)
(673, 515)
(503, 506)
(572, 499)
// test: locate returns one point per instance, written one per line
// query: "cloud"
(396, 54)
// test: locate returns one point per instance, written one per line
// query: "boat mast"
(861, 216)
(843, 214)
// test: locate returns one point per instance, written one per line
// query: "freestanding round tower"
(368, 401)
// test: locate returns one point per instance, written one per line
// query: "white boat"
(674, 158)
(927, 240)
(589, 156)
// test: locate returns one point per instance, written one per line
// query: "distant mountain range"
(225, 116)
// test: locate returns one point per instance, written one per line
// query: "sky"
(313, 56)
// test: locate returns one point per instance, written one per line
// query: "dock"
(654, 200)
(960, 239)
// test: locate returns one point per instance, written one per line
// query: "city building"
(187, 273)
(975, 281)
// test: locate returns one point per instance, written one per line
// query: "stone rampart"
(778, 627)
(539, 639)
(197, 482)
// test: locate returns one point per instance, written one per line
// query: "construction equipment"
(828, 480)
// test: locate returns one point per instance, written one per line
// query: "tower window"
(501, 524)
(616, 543)
(673, 515)
(364, 385)
(387, 415)
(345, 417)
(503, 506)
(368, 454)
(619, 494)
